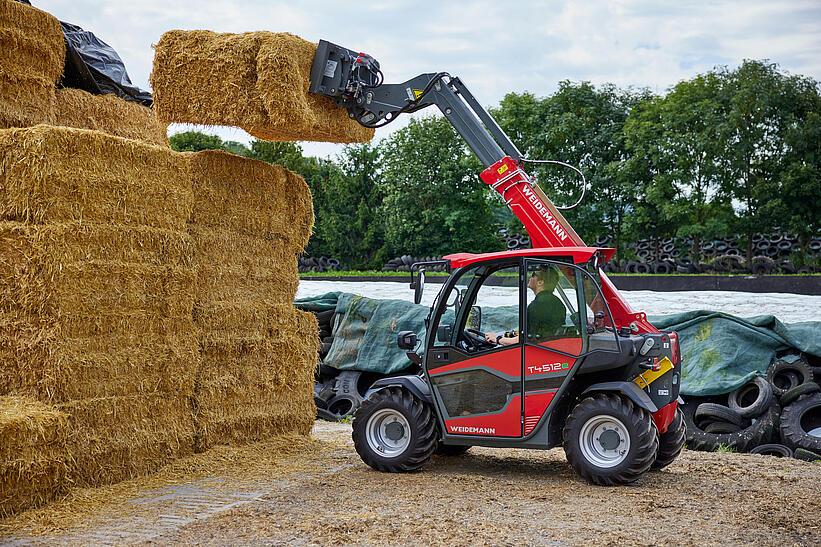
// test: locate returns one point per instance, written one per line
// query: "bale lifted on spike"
(257, 81)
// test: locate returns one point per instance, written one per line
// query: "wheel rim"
(388, 433)
(604, 441)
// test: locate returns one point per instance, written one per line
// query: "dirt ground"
(486, 497)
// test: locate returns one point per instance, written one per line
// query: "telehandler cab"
(578, 367)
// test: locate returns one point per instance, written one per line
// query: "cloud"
(495, 47)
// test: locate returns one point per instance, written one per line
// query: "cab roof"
(579, 255)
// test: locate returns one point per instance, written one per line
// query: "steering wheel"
(476, 339)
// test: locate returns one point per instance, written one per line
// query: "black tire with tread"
(644, 440)
(799, 367)
(421, 419)
(792, 432)
(773, 449)
(759, 432)
(797, 392)
(671, 442)
(715, 412)
(761, 403)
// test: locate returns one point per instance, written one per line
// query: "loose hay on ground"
(257, 81)
(58, 174)
(32, 450)
(109, 114)
(32, 60)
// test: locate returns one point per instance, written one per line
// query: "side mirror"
(443, 333)
(475, 318)
(406, 340)
(419, 287)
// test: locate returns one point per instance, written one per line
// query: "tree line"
(728, 152)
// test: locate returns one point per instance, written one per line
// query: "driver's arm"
(502, 339)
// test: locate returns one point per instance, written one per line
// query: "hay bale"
(117, 438)
(109, 114)
(32, 453)
(92, 310)
(257, 81)
(250, 387)
(59, 174)
(251, 197)
(32, 60)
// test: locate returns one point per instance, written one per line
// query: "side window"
(598, 317)
(552, 318)
(444, 330)
(495, 307)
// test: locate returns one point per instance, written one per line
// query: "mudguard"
(415, 384)
(629, 390)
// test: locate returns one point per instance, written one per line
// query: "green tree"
(581, 125)
(194, 141)
(772, 135)
(678, 139)
(434, 202)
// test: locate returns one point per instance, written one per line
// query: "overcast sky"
(494, 46)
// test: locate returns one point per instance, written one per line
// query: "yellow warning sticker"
(502, 169)
(417, 93)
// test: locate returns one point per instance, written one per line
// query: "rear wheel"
(394, 431)
(671, 442)
(608, 440)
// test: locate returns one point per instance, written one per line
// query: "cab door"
(478, 385)
(553, 339)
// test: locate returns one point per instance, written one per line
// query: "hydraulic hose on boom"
(355, 81)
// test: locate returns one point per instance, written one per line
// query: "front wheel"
(671, 442)
(608, 440)
(394, 431)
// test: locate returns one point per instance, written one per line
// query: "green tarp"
(720, 352)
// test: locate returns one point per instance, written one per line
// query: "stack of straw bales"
(257, 81)
(31, 63)
(31, 455)
(145, 295)
(96, 292)
(249, 223)
(32, 55)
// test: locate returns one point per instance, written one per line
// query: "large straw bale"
(60, 174)
(254, 386)
(257, 81)
(109, 114)
(33, 56)
(117, 438)
(251, 197)
(32, 453)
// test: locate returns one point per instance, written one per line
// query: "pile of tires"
(779, 415)
(514, 241)
(404, 263)
(321, 264)
(771, 252)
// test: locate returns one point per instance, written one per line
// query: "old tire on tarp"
(720, 427)
(759, 432)
(451, 449)
(716, 412)
(800, 419)
(806, 455)
(773, 449)
(671, 442)
(739, 400)
(778, 374)
(797, 392)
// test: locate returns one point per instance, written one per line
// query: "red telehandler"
(579, 367)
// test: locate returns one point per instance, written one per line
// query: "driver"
(545, 315)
